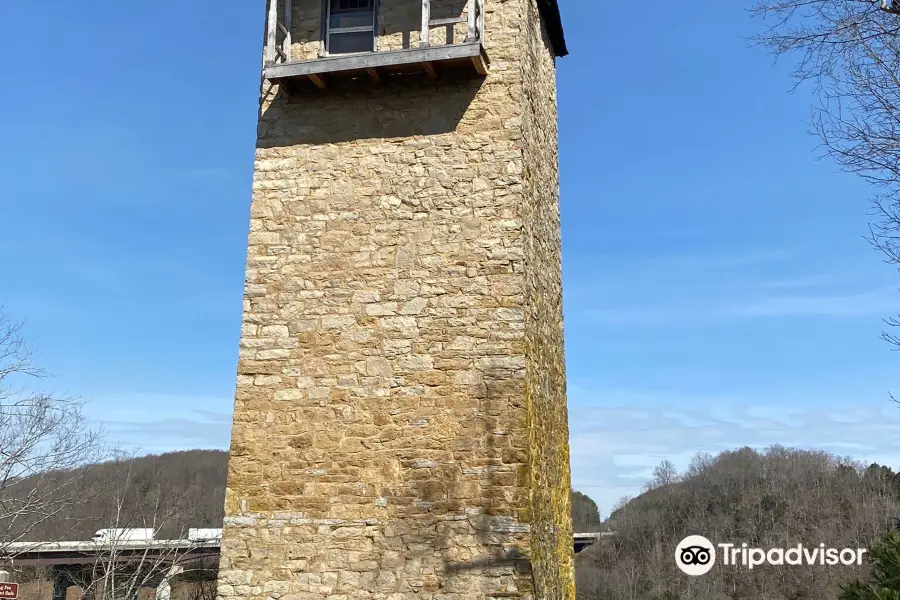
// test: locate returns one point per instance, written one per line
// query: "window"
(350, 26)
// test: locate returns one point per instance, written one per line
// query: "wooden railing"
(278, 29)
(274, 50)
(474, 19)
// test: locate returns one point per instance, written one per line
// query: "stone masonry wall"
(388, 421)
(553, 560)
(399, 25)
(306, 28)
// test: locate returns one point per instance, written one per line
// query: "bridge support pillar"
(64, 576)
(61, 582)
(164, 589)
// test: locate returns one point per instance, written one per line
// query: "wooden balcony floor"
(431, 60)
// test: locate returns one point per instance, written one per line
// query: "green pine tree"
(884, 582)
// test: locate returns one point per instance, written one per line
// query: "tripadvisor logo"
(695, 555)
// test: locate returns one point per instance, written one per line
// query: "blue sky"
(718, 289)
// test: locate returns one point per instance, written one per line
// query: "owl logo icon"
(695, 555)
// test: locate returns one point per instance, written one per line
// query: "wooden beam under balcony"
(375, 75)
(468, 56)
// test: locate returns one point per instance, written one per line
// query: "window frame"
(327, 30)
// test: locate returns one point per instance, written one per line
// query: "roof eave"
(553, 22)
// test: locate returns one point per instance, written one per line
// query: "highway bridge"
(583, 540)
(73, 563)
(21, 554)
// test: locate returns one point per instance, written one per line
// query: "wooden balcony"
(429, 56)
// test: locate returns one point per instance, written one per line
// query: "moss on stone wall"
(552, 553)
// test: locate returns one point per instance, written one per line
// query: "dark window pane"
(358, 18)
(339, 5)
(344, 43)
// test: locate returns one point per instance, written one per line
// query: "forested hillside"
(169, 492)
(774, 499)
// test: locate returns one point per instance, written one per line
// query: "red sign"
(9, 591)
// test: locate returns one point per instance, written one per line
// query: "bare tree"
(46, 447)
(53, 488)
(146, 500)
(850, 51)
(664, 474)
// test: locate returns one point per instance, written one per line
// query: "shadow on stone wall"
(355, 109)
(497, 528)
(404, 19)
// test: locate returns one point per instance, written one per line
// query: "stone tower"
(400, 423)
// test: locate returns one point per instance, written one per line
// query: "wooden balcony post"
(271, 30)
(470, 35)
(480, 24)
(288, 9)
(426, 22)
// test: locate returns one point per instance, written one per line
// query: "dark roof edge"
(553, 22)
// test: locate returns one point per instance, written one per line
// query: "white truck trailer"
(204, 535)
(105, 536)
